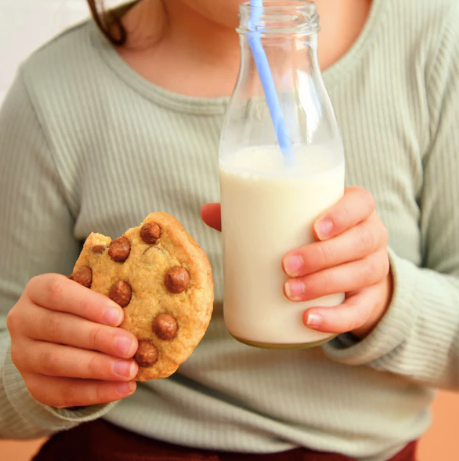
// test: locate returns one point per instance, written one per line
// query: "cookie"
(162, 279)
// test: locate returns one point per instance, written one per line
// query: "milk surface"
(268, 210)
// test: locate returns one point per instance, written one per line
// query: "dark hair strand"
(109, 22)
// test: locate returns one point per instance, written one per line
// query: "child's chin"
(224, 12)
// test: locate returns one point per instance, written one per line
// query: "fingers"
(340, 279)
(56, 292)
(354, 244)
(349, 316)
(211, 215)
(64, 361)
(67, 392)
(56, 327)
(356, 206)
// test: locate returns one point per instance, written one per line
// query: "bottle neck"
(294, 73)
(279, 18)
(288, 57)
(287, 31)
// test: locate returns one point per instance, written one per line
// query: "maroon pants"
(102, 441)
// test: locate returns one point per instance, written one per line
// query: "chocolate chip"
(83, 276)
(146, 355)
(165, 326)
(150, 232)
(121, 293)
(177, 280)
(98, 249)
(119, 249)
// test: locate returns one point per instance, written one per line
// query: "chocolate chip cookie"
(162, 279)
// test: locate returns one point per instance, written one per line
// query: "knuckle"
(12, 320)
(69, 397)
(56, 325)
(368, 199)
(368, 272)
(49, 363)
(364, 238)
(95, 334)
(54, 290)
(85, 306)
(94, 366)
(326, 282)
(343, 218)
(325, 255)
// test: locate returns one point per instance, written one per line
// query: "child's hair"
(108, 21)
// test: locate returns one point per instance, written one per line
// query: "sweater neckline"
(218, 105)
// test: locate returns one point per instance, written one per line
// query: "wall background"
(25, 25)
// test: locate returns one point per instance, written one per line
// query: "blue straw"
(267, 81)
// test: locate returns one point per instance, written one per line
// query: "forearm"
(419, 336)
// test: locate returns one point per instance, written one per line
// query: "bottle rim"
(279, 17)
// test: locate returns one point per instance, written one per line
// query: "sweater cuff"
(393, 329)
(43, 416)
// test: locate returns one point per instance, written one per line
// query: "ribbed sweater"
(86, 144)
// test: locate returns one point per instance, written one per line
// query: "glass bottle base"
(282, 345)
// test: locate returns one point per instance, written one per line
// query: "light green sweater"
(87, 145)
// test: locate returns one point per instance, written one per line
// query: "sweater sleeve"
(419, 336)
(36, 236)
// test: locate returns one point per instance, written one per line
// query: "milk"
(267, 211)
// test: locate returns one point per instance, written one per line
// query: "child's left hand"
(350, 256)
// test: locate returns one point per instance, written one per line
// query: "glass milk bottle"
(269, 204)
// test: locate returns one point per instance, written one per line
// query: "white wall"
(26, 24)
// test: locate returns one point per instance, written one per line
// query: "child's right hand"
(66, 347)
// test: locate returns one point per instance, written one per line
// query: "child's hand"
(66, 347)
(350, 257)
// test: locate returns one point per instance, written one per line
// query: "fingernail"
(126, 388)
(293, 265)
(124, 368)
(314, 321)
(295, 289)
(123, 345)
(112, 316)
(324, 228)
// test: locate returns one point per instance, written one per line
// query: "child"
(97, 133)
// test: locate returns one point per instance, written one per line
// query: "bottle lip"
(297, 17)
